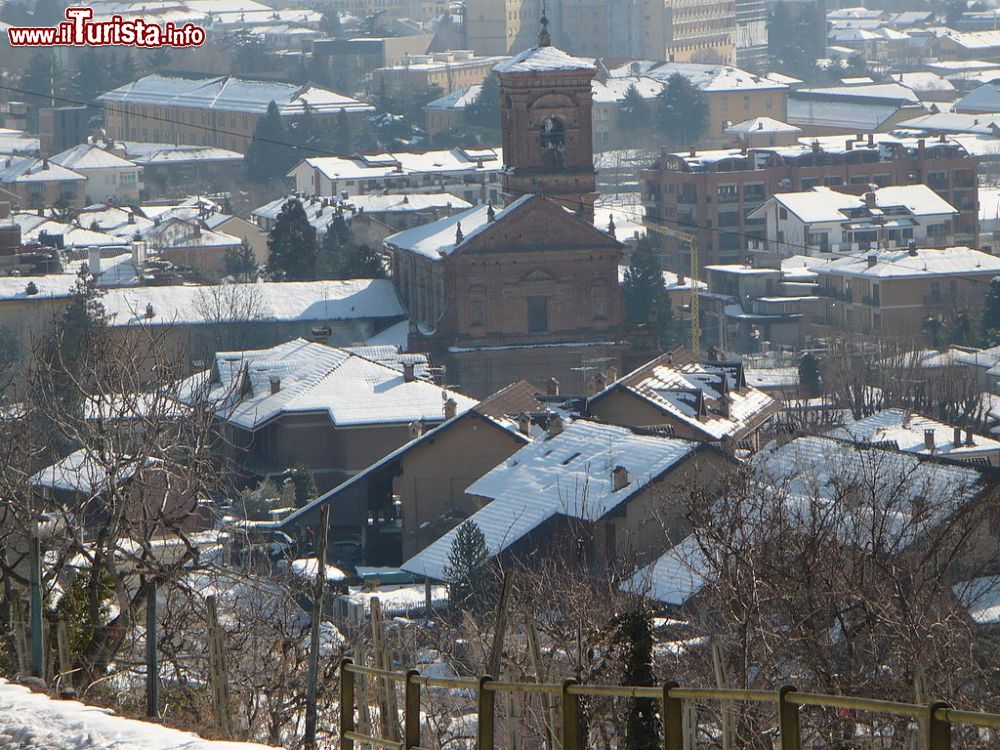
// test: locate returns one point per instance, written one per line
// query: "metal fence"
(937, 717)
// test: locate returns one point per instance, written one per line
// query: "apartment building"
(892, 292)
(39, 183)
(824, 220)
(448, 71)
(711, 193)
(733, 95)
(222, 111)
(683, 31)
(110, 177)
(470, 174)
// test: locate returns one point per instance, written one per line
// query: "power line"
(563, 200)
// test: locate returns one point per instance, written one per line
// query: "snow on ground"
(33, 721)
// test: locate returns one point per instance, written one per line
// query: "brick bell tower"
(545, 105)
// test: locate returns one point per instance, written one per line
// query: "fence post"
(411, 711)
(938, 730)
(152, 666)
(788, 720)
(36, 606)
(672, 718)
(486, 732)
(570, 717)
(346, 704)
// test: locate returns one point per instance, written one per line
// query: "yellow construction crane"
(692, 241)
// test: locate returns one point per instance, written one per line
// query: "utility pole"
(317, 616)
(35, 602)
(152, 666)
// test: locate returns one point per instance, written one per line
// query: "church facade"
(530, 290)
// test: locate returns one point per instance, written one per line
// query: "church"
(528, 290)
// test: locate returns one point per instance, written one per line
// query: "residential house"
(408, 499)
(110, 178)
(186, 242)
(824, 220)
(308, 404)
(606, 494)
(40, 183)
(677, 395)
(764, 131)
(914, 433)
(472, 174)
(874, 107)
(891, 293)
(448, 112)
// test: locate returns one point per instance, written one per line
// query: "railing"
(936, 717)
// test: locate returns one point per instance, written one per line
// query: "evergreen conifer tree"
(634, 118)
(809, 378)
(469, 570)
(268, 157)
(240, 263)
(645, 297)
(682, 111)
(343, 138)
(990, 323)
(292, 245)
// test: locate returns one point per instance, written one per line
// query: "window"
(538, 314)
(599, 300)
(552, 139)
(769, 102)
(729, 194)
(746, 103)
(833, 181)
(724, 104)
(477, 306)
(935, 295)
(782, 213)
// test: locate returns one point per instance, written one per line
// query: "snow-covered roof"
(569, 474)
(761, 125)
(698, 395)
(613, 90)
(823, 204)
(89, 156)
(922, 262)
(441, 238)
(18, 142)
(907, 431)
(845, 114)
(396, 164)
(986, 123)
(262, 301)
(981, 597)
(85, 472)
(29, 719)
(315, 378)
(772, 377)
(162, 154)
(985, 99)
(31, 169)
(976, 40)
(231, 94)
(33, 227)
(456, 99)
(674, 577)
(180, 233)
(307, 568)
(923, 81)
(543, 59)
(703, 76)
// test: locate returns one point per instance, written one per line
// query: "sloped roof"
(89, 156)
(542, 59)
(313, 377)
(231, 94)
(679, 387)
(30, 169)
(986, 98)
(762, 125)
(569, 474)
(900, 263)
(906, 431)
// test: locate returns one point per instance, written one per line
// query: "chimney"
(416, 429)
(94, 260)
(872, 260)
(619, 478)
(138, 254)
(552, 387)
(4, 209)
(957, 437)
(969, 438)
(275, 384)
(850, 144)
(921, 146)
(692, 152)
(150, 312)
(524, 424)
(555, 425)
(929, 440)
(871, 199)
(408, 376)
(911, 248)
(450, 408)
(197, 229)
(131, 218)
